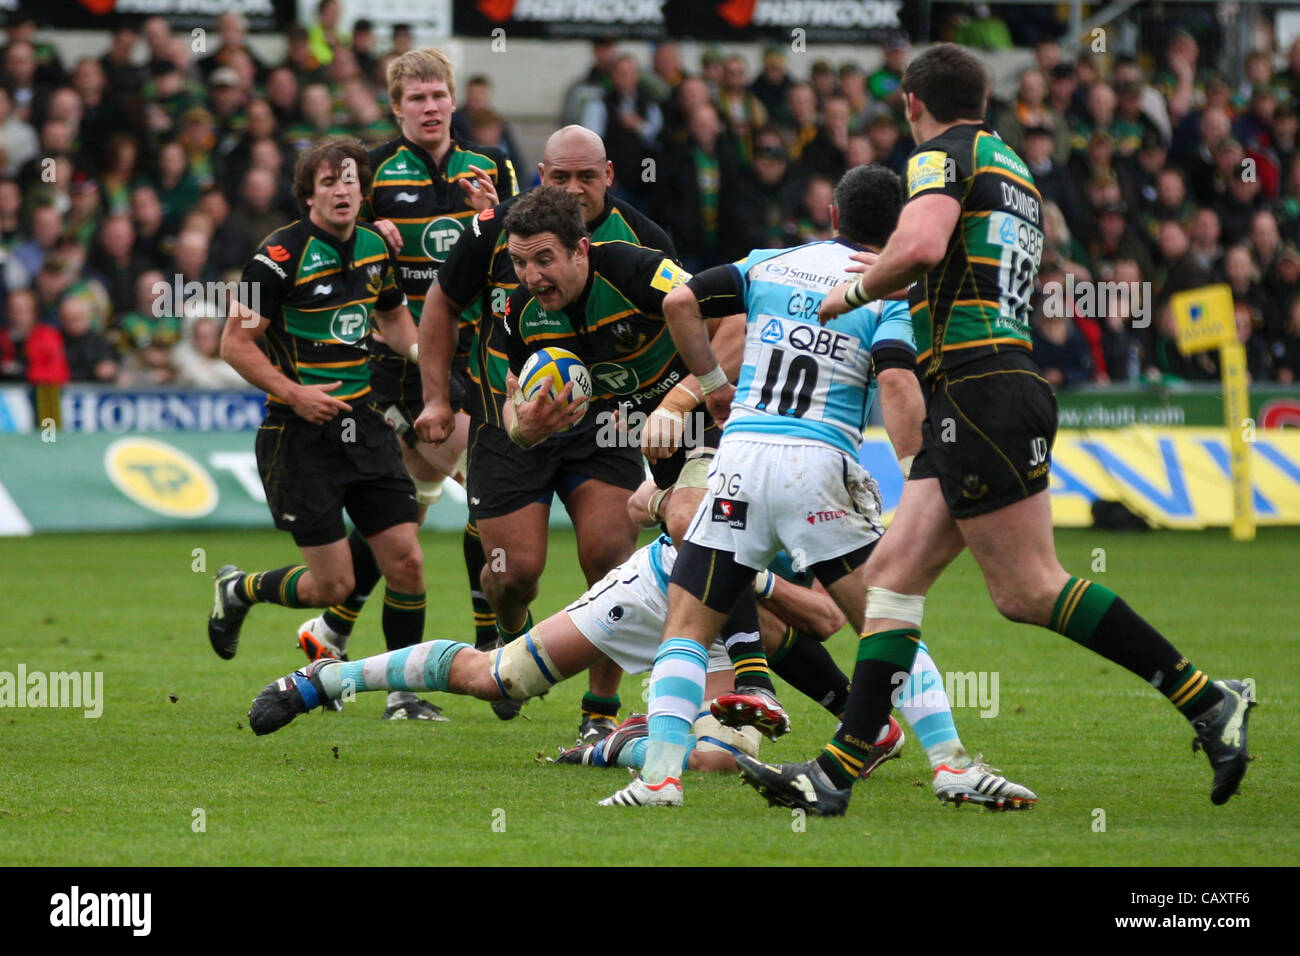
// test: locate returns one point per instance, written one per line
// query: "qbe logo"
(439, 236)
(349, 324)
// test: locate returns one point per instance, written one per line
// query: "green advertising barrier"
(1173, 477)
(1271, 406)
(98, 482)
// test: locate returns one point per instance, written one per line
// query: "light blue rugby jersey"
(800, 380)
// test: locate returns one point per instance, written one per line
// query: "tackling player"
(314, 286)
(971, 238)
(427, 186)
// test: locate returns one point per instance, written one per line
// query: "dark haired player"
(970, 237)
(313, 288)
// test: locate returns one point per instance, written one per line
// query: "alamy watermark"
(1098, 300)
(80, 690)
(956, 689)
(179, 297)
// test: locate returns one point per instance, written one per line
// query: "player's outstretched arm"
(810, 610)
(903, 407)
(239, 348)
(691, 336)
(437, 334)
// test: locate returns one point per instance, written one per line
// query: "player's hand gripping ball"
(548, 370)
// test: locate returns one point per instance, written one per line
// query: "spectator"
(366, 120)
(822, 79)
(478, 98)
(198, 362)
(124, 76)
(742, 111)
(885, 85)
(630, 123)
(228, 249)
(692, 93)
(324, 38)
(1242, 274)
(99, 115)
(888, 143)
(1204, 238)
(144, 338)
(192, 251)
(778, 190)
(703, 211)
(592, 86)
(1052, 179)
(119, 172)
(233, 29)
(1286, 352)
(1060, 350)
(364, 49)
(178, 190)
(317, 108)
(1115, 241)
(18, 142)
(147, 218)
(90, 359)
(1239, 205)
(772, 85)
(1121, 345)
(813, 221)
(11, 211)
(30, 351)
(158, 37)
(47, 227)
(282, 95)
(19, 76)
(117, 262)
(666, 72)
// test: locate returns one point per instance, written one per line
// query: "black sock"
(593, 706)
(740, 635)
(803, 662)
(1094, 616)
(272, 587)
(341, 618)
(882, 655)
(485, 619)
(403, 619)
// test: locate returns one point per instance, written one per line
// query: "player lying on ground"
(619, 619)
(313, 288)
(970, 237)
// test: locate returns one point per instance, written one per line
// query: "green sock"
(1094, 616)
(403, 618)
(507, 636)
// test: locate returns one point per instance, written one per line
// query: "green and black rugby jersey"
(318, 294)
(428, 204)
(615, 326)
(975, 302)
(480, 277)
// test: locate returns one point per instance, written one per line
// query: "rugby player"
(786, 475)
(510, 489)
(971, 238)
(313, 288)
(619, 618)
(426, 187)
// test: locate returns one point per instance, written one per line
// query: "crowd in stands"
(152, 165)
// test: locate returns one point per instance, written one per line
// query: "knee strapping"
(427, 493)
(883, 603)
(523, 669)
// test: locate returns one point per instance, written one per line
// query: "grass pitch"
(170, 773)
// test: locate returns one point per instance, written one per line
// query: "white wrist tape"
(906, 464)
(413, 353)
(764, 583)
(427, 493)
(712, 381)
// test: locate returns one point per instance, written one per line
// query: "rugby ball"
(549, 370)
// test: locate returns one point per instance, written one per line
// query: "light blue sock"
(676, 692)
(424, 666)
(633, 755)
(924, 704)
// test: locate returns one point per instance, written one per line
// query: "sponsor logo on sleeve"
(925, 171)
